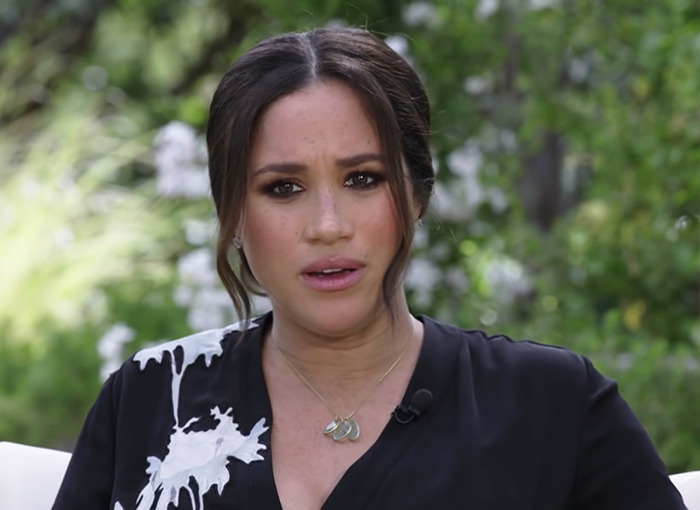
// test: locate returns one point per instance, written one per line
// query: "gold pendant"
(330, 428)
(354, 430)
(342, 428)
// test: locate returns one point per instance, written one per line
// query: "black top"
(512, 425)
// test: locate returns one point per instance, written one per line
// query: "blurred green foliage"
(567, 138)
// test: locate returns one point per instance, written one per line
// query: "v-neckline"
(436, 361)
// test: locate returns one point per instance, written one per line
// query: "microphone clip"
(421, 401)
(405, 414)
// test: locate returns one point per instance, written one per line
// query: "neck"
(344, 356)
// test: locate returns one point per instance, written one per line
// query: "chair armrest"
(688, 484)
(30, 476)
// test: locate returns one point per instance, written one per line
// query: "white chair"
(688, 484)
(30, 476)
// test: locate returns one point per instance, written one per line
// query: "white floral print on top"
(201, 456)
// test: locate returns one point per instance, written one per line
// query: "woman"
(339, 398)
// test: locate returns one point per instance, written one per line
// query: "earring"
(418, 224)
(237, 242)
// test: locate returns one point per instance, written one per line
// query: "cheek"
(266, 232)
(381, 229)
(387, 217)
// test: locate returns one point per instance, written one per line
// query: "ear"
(239, 232)
(417, 210)
(417, 213)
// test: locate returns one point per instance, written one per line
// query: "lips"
(330, 272)
(333, 274)
(332, 266)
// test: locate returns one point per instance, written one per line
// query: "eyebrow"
(296, 168)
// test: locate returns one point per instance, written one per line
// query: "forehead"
(327, 115)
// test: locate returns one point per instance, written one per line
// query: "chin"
(340, 319)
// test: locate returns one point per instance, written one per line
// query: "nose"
(328, 220)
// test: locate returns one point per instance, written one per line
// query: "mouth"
(327, 273)
(333, 274)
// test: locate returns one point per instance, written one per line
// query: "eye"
(364, 180)
(283, 189)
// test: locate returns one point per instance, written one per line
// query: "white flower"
(536, 5)
(95, 78)
(456, 279)
(508, 139)
(625, 360)
(488, 317)
(199, 232)
(183, 295)
(197, 268)
(447, 203)
(466, 160)
(63, 237)
(579, 69)
(398, 43)
(458, 200)
(507, 278)
(111, 346)
(210, 308)
(180, 159)
(31, 188)
(497, 199)
(336, 23)
(422, 277)
(200, 291)
(112, 341)
(421, 238)
(421, 13)
(486, 9)
(476, 85)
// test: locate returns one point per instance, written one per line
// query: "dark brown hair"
(387, 86)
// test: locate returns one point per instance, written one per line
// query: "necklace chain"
(344, 427)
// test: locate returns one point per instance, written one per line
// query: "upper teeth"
(329, 271)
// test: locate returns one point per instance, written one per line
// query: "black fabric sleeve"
(617, 465)
(87, 484)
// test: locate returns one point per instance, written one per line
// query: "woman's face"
(320, 227)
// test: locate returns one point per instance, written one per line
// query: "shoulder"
(503, 352)
(201, 349)
(207, 345)
(518, 366)
(194, 376)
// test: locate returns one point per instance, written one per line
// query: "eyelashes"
(282, 189)
(364, 179)
(360, 180)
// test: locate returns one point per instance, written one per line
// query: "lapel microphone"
(420, 403)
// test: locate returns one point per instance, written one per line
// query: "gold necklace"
(344, 427)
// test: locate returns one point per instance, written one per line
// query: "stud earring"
(237, 242)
